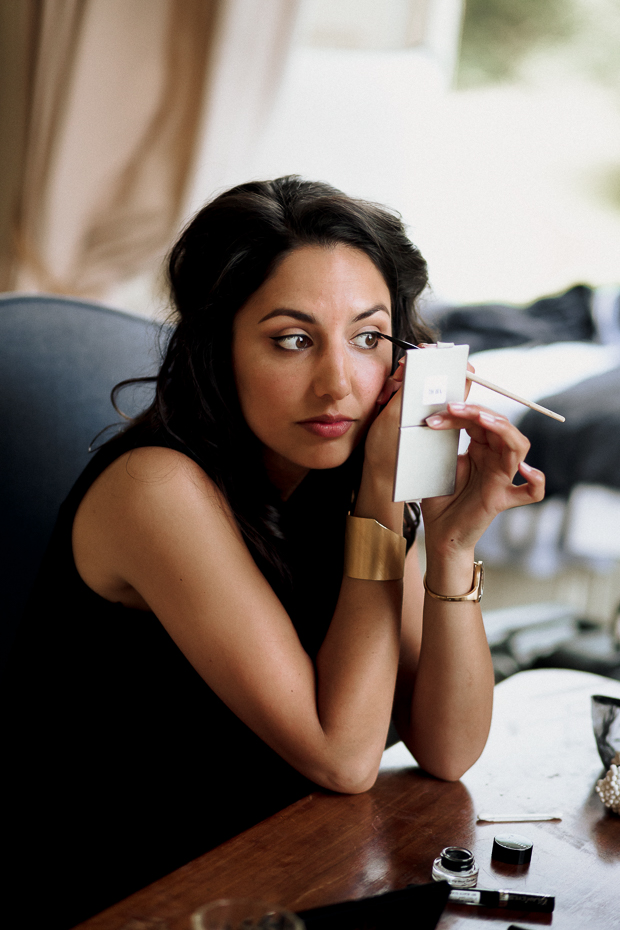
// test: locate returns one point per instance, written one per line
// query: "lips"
(328, 427)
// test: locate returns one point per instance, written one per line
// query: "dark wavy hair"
(225, 253)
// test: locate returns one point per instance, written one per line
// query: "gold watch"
(474, 595)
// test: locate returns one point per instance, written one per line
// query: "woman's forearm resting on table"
(444, 693)
(445, 690)
(356, 676)
(357, 664)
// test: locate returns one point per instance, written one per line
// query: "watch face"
(481, 581)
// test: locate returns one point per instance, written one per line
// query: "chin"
(330, 456)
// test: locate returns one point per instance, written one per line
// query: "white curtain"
(110, 102)
(252, 47)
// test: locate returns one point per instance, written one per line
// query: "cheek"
(370, 383)
(263, 394)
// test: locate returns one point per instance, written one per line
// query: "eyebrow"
(309, 318)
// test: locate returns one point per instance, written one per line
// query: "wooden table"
(541, 755)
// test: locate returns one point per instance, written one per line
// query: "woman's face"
(308, 373)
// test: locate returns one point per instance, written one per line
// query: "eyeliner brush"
(487, 384)
(398, 342)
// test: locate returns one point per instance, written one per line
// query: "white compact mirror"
(426, 461)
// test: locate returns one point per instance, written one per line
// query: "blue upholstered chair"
(59, 360)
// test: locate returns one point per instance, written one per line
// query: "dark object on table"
(504, 898)
(563, 317)
(417, 907)
(585, 449)
(606, 725)
(513, 848)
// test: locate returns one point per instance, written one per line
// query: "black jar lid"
(457, 858)
(512, 847)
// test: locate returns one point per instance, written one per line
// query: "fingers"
(530, 493)
(534, 489)
(501, 437)
(485, 428)
(461, 416)
(392, 384)
(480, 423)
(399, 374)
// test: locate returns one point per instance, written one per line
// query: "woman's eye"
(294, 343)
(366, 340)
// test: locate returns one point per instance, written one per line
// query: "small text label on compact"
(435, 389)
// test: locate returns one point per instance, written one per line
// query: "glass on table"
(244, 914)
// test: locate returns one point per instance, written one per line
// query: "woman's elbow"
(448, 768)
(350, 777)
(452, 773)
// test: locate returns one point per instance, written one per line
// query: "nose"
(332, 376)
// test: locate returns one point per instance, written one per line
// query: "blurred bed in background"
(562, 351)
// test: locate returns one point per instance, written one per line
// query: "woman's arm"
(444, 692)
(445, 684)
(154, 532)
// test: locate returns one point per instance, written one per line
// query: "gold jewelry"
(372, 552)
(474, 595)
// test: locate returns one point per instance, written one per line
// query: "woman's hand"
(484, 477)
(374, 498)
(382, 438)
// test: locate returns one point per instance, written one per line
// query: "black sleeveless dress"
(121, 763)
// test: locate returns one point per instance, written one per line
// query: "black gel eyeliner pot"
(457, 866)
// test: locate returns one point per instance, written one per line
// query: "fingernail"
(527, 468)
(487, 418)
(434, 420)
(457, 407)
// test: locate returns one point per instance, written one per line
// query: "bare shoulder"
(150, 467)
(152, 476)
(147, 501)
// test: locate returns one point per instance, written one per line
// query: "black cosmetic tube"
(515, 900)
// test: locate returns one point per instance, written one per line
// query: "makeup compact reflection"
(426, 461)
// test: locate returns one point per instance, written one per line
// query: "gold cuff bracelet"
(372, 552)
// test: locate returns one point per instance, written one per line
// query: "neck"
(284, 475)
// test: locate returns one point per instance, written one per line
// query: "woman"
(214, 662)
